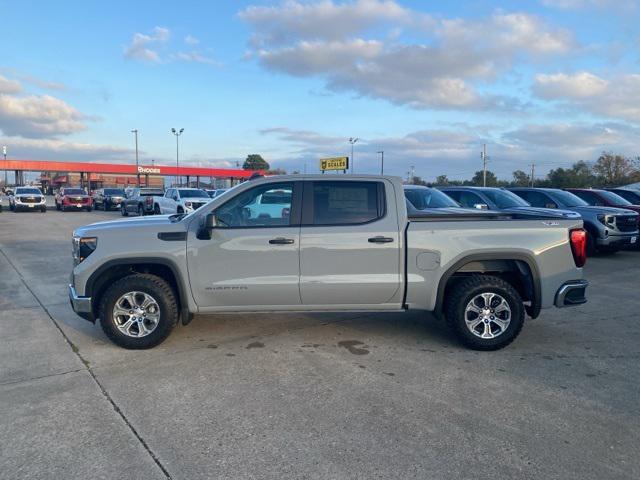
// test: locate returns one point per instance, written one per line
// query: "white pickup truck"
(180, 200)
(325, 243)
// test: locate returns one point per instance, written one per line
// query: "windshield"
(505, 199)
(569, 199)
(73, 191)
(193, 194)
(150, 193)
(113, 191)
(422, 198)
(33, 191)
(613, 198)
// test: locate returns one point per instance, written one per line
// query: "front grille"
(76, 200)
(29, 200)
(626, 223)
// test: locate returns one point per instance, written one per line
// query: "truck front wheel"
(485, 312)
(138, 311)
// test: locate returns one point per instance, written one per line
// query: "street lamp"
(352, 141)
(177, 134)
(4, 152)
(135, 132)
(381, 152)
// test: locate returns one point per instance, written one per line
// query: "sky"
(548, 82)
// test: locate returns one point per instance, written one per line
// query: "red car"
(603, 198)
(69, 198)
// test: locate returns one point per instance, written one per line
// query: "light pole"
(177, 133)
(135, 132)
(381, 152)
(352, 141)
(4, 152)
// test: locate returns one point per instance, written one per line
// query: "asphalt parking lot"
(309, 396)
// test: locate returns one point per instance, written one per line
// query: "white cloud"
(140, 46)
(618, 97)
(357, 47)
(53, 149)
(38, 116)
(191, 40)
(583, 4)
(9, 86)
(196, 57)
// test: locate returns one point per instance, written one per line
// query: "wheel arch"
(519, 269)
(114, 270)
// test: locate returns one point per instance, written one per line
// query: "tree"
(441, 180)
(417, 181)
(578, 176)
(614, 170)
(492, 180)
(277, 171)
(255, 162)
(520, 179)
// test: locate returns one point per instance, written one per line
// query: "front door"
(252, 259)
(350, 245)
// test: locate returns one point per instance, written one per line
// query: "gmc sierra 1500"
(320, 243)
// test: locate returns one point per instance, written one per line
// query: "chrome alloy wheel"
(487, 315)
(136, 314)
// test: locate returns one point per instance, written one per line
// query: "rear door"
(349, 244)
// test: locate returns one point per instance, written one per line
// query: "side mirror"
(481, 206)
(208, 223)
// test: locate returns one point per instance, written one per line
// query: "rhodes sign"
(149, 170)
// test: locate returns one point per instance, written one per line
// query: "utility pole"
(412, 174)
(483, 155)
(177, 133)
(135, 132)
(533, 169)
(381, 152)
(352, 141)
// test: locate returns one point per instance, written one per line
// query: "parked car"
(608, 229)
(631, 196)
(432, 199)
(215, 193)
(501, 200)
(72, 198)
(345, 244)
(108, 198)
(140, 201)
(27, 198)
(180, 200)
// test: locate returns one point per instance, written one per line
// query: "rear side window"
(347, 203)
(589, 197)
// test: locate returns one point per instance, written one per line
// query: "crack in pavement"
(13, 382)
(103, 390)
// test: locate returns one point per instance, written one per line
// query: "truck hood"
(154, 222)
(550, 212)
(593, 210)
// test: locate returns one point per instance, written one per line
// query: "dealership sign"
(336, 163)
(148, 170)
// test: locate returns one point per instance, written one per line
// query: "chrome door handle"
(281, 241)
(380, 240)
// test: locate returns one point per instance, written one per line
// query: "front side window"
(505, 199)
(347, 203)
(568, 199)
(262, 206)
(466, 199)
(537, 199)
(423, 198)
(589, 197)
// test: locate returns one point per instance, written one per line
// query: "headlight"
(606, 220)
(187, 204)
(83, 247)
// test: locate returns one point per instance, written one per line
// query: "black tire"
(11, 207)
(57, 206)
(123, 210)
(89, 209)
(466, 290)
(43, 209)
(63, 208)
(152, 285)
(105, 207)
(156, 209)
(141, 210)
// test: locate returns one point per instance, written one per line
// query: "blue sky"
(549, 81)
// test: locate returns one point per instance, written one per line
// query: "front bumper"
(572, 293)
(619, 240)
(29, 206)
(81, 305)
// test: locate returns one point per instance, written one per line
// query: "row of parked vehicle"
(611, 217)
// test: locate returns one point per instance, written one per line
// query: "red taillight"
(578, 240)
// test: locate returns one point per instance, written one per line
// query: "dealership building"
(54, 174)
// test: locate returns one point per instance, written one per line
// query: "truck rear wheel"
(485, 312)
(138, 311)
